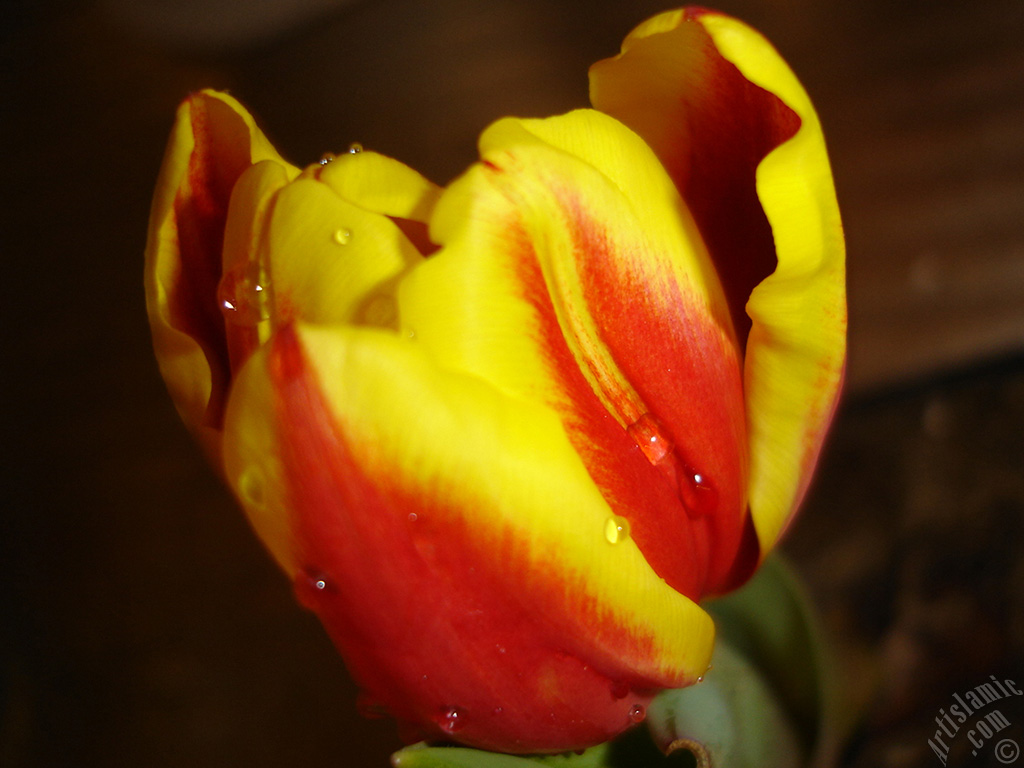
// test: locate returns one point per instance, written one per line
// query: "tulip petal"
(570, 274)
(492, 532)
(214, 140)
(381, 184)
(243, 293)
(741, 139)
(331, 261)
(710, 127)
(327, 247)
(797, 348)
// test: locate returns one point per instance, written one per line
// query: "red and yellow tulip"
(506, 434)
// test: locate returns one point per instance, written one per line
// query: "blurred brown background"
(142, 625)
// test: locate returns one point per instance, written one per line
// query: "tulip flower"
(505, 435)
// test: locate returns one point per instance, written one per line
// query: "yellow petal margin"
(796, 351)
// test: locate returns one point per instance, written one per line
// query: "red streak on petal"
(688, 376)
(686, 373)
(675, 545)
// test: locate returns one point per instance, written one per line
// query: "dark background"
(143, 625)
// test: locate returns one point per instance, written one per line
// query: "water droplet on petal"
(354, 148)
(616, 529)
(700, 679)
(452, 720)
(342, 236)
(637, 713)
(650, 436)
(311, 587)
(698, 495)
(413, 517)
(326, 157)
(498, 710)
(696, 491)
(243, 297)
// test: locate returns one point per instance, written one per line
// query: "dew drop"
(242, 297)
(637, 713)
(413, 517)
(700, 679)
(311, 587)
(620, 690)
(698, 494)
(498, 710)
(326, 158)
(355, 148)
(650, 436)
(342, 236)
(452, 720)
(616, 529)
(696, 491)
(252, 488)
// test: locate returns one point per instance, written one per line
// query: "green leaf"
(423, 756)
(771, 622)
(733, 717)
(631, 750)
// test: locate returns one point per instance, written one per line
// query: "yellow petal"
(243, 291)
(570, 274)
(797, 348)
(739, 136)
(331, 261)
(494, 482)
(213, 141)
(526, 213)
(381, 184)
